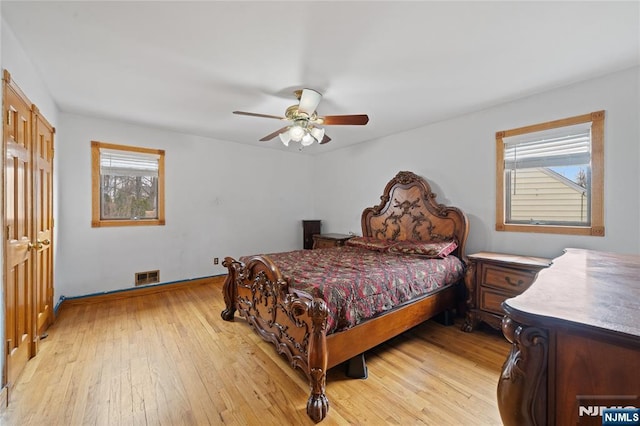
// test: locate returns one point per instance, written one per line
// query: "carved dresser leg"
(522, 388)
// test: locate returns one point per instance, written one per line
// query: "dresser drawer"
(492, 301)
(509, 279)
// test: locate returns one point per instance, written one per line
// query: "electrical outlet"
(215, 260)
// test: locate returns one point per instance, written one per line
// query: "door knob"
(37, 246)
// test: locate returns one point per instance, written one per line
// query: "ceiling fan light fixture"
(297, 133)
(307, 139)
(285, 138)
(304, 119)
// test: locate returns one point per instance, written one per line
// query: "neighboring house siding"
(539, 194)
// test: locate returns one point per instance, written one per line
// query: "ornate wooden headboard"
(408, 211)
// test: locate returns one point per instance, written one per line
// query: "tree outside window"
(128, 185)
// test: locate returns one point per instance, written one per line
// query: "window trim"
(96, 221)
(597, 177)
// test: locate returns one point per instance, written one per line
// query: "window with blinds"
(550, 177)
(128, 185)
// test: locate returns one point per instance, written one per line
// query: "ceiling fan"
(305, 120)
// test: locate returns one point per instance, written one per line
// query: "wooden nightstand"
(309, 229)
(491, 279)
(329, 240)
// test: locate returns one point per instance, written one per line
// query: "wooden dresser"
(575, 337)
(491, 279)
(329, 240)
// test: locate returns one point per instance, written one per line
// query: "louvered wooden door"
(28, 224)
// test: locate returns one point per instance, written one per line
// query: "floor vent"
(148, 277)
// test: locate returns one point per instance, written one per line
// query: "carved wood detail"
(229, 288)
(295, 322)
(318, 404)
(522, 387)
(471, 319)
(408, 211)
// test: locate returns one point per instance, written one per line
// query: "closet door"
(18, 271)
(43, 221)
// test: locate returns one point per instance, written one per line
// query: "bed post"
(318, 404)
(229, 289)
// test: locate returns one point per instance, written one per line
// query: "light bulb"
(296, 133)
(307, 140)
(318, 134)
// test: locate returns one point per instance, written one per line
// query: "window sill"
(596, 231)
(140, 222)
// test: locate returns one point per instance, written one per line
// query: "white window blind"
(124, 163)
(565, 146)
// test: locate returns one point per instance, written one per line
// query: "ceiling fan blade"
(355, 119)
(253, 114)
(325, 139)
(309, 101)
(274, 134)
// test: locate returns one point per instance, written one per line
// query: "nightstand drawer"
(492, 301)
(329, 240)
(507, 278)
(324, 243)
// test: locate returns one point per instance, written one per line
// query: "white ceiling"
(186, 66)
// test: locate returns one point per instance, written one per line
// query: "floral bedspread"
(358, 284)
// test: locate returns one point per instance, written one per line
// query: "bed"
(324, 307)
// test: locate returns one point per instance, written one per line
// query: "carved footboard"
(294, 321)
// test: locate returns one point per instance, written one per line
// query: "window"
(127, 185)
(550, 177)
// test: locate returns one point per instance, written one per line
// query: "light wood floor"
(168, 358)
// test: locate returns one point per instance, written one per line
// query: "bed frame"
(295, 321)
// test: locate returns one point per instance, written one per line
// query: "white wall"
(222, 199)
(25, 74)
(457, 157)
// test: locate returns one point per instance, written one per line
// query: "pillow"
(428, 249)
(370, 243)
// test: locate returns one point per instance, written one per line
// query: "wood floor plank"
(167, 358)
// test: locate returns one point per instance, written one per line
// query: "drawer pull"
(508, 280)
